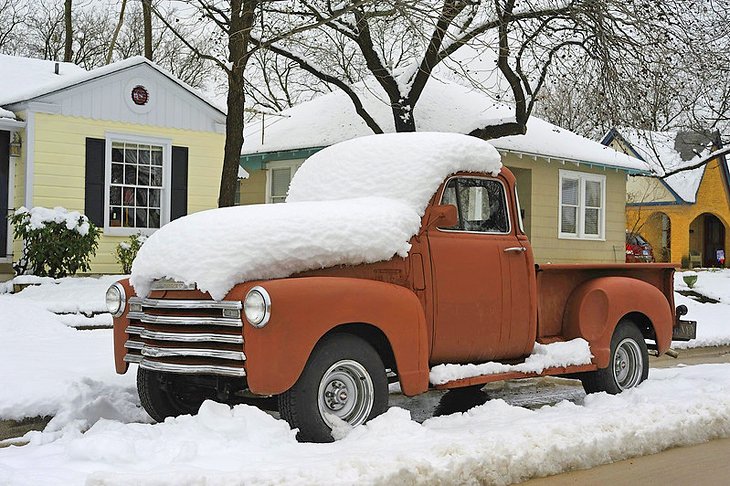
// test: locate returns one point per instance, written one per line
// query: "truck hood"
(219, 248)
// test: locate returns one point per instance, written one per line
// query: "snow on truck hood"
(358, 201)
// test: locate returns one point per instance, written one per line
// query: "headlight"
(257, 306)
(115, 300)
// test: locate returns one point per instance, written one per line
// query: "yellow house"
(684, 216)
(572, 190)
(128, 144)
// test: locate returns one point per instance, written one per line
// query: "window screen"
(480, 204)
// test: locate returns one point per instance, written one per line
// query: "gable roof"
(25, 79)
(445, 106)
(670, 150)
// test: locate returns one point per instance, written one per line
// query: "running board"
(513, 375)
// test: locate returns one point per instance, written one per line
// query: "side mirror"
(443, 215)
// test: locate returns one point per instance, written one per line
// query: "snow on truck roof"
(359, 201)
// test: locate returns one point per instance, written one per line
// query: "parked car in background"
(638, 250)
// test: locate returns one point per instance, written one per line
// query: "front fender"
(596, 307)
(304, 309)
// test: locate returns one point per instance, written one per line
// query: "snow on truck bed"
(358, 201)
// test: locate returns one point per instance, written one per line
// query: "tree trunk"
(234, 141)
(242, 18)
(147, 20)
(113, 41)
(68, 41)
(403, 116)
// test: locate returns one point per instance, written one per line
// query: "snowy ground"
(99, 435)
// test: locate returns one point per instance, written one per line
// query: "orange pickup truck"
(326, 343)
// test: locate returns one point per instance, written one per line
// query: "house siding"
(59, 168)
(544, 213)
(712, 197)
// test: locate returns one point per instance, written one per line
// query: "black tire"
(628, 365)
(164, 395)
(344, 376)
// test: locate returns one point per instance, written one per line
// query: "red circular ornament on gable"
(140, 95)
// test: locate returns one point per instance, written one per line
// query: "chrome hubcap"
(346, 391)
(628, 364)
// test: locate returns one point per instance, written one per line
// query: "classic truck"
(326, 342)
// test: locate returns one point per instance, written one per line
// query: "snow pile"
(39, 216)
(494, 443)
(561, 354)
(27, 75)
(7, 114)
(713, 327)
(405, 166)
(358, 202)
(44, 364)
(69, 295)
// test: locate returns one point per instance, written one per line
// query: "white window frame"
(292, 165)
(582, 178)
(166, 144)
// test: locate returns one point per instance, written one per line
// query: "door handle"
(515, 248)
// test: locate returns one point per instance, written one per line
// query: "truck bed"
(556, 283)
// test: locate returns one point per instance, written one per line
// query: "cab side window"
(480, 204)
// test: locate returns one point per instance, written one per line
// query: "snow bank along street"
(100, 435)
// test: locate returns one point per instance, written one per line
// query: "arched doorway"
(659, 234)
(707, 240)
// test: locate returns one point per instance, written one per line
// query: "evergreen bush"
(56, 242)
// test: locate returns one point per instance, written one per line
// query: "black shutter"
(4, 188)
(179, 183)
(95, 163)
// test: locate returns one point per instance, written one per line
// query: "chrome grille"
(186, 336)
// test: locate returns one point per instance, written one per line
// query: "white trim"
(166, 193)
(293, 165)
(29, 147)
(582, 178)
(8, 258)
(41, 107)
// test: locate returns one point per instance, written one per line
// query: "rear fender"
(304, 309)
(596, 307)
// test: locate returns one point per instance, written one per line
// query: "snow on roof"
(27, 75)
(30, 78)
(343, 208)
(669, 150)
(445, 106)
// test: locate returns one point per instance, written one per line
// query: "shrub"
(127, 251)
(56, 242)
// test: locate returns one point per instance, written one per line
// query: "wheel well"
(374, 336)
(643, 323)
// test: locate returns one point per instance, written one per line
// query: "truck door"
(473, 264)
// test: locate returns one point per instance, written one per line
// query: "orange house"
(685, 216)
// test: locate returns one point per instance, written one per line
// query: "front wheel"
(164, 395)
(344, 380)
(628, 366)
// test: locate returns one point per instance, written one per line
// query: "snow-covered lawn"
(47, 368)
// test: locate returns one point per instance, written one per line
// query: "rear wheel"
(628, 365)
(164, 395)
(345, 380)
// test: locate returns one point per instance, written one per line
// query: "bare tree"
(11, 17)
(68, 31)
(113, 41)
(236, 29)
(401, 43)
(147, 16)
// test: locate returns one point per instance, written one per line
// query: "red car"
(638, 250)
